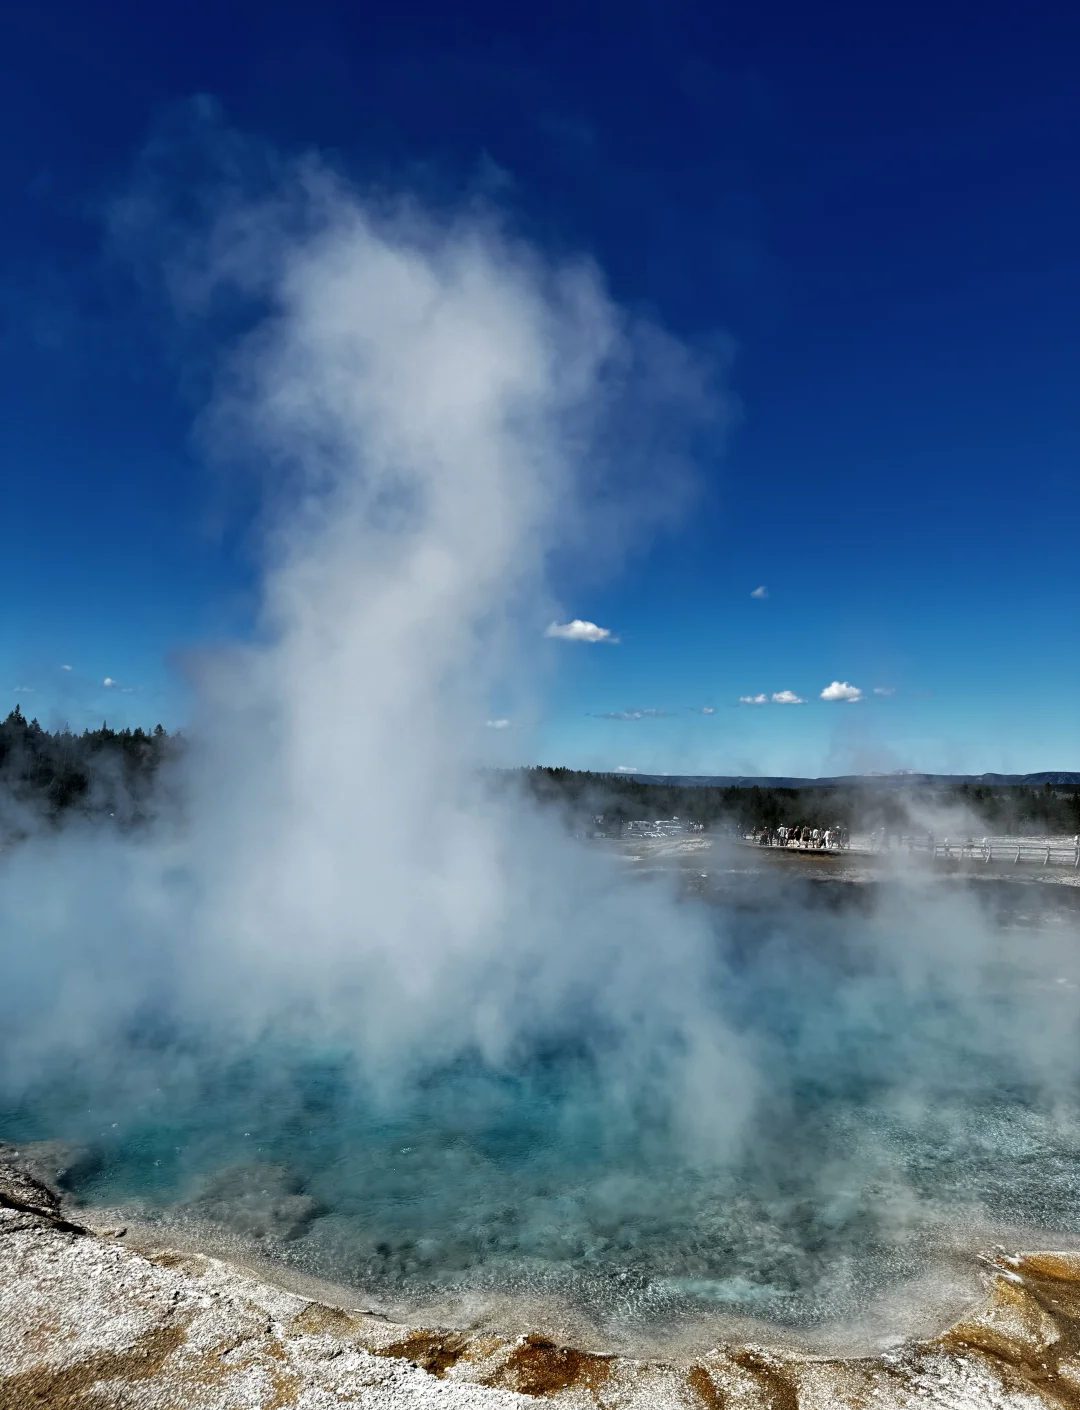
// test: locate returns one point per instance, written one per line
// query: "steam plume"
(426, 400)
(431, 408)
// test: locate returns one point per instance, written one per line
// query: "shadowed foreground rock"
(87, 1324)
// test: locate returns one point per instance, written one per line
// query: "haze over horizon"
(843, 546)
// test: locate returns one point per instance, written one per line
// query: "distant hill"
(1057, 779)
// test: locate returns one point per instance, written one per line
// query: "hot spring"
(910, 1106)
(401, 1031)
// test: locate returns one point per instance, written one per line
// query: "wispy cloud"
(708, 710)
(884, 690)
(109, 683)
(760, 593)
(626, 769)
(631, 715)
(753, 700)
(577, 630)
(65, 668)
(787, 697)
(841, 690)
(497, 724)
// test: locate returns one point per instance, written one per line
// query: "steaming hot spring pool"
(907, 1107)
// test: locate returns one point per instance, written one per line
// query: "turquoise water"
(896, 1110)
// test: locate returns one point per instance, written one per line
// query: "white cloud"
(577, 630)
(761, 593)
(787, 697)
(708, 709)
(632, 715)
(753, 700)
(108, 681)
(884, 690)
(626, 769)
(497, 724)
(840, 690)
(65, 668)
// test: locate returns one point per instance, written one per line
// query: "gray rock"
(19, 1190)
(58, 1165)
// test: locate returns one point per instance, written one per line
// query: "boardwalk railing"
(1030, 851)
(1013, 851)
(1001, 851)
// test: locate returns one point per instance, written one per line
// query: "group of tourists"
(804, 838)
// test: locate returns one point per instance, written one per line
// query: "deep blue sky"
(880, 205)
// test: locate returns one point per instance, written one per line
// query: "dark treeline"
(621, 799)
(114, 773)
(103, 771)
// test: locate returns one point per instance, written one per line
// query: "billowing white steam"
(423, 399)
(427, 402)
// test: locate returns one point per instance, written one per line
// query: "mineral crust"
(87, 1323)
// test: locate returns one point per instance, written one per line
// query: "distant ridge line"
(902, 780)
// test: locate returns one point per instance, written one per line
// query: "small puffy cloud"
(626, 769)
(884, 690)
(708, 709)
(108, 682)
(497, 724)
(577, 630)
(753, 700)
(760, 593)
(65, 668)
(841, 690)
(787, 697)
